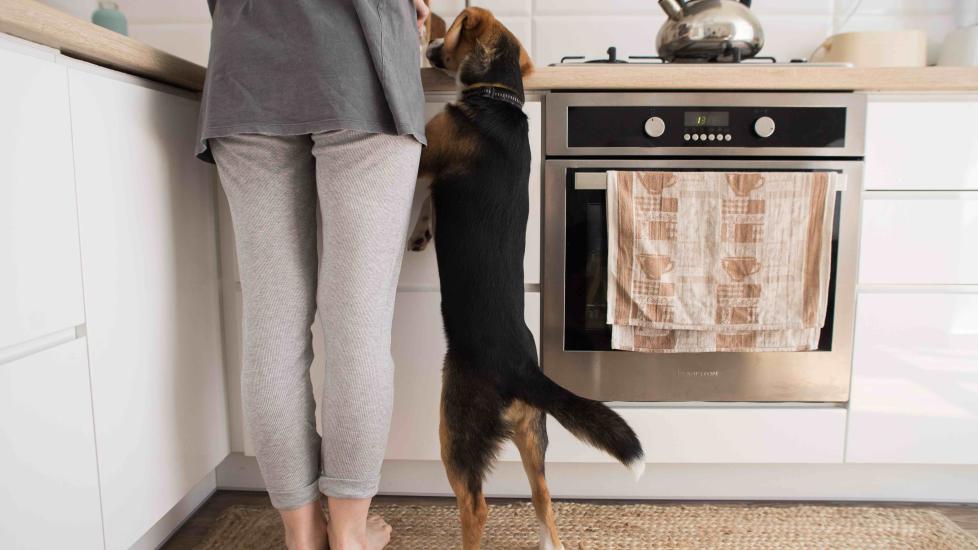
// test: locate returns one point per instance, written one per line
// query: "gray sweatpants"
(364, 184)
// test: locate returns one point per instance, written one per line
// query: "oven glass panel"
(586, 271)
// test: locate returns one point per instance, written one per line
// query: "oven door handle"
(598, 181)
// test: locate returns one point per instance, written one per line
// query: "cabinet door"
(930, 239)
(915, 379)
(50, 496)
(147, 223)
(418, 347)
(419, 269)
(922, 142)
(40, 272)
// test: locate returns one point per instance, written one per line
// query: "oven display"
(707, 118)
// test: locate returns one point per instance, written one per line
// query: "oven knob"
(655, 127)
(764, 127)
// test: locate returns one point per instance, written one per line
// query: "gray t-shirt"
(288, 67)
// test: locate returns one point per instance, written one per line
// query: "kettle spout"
(675, 9)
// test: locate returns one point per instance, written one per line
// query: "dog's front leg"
(424, 229)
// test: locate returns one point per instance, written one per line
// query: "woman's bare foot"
(378, 533)
(375, 536)
(351, 529)
(305, 527)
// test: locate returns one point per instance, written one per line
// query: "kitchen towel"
(719, 261)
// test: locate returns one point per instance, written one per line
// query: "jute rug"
(637, 527)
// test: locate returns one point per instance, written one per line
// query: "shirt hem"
(298, 128)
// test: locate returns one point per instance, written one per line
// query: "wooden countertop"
(40, 23)
(742, 77)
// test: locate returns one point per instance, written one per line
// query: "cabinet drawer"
(40, 270)
(47, 452)
(420, 270)
(915, 379)
(920, 240)
(922, 143)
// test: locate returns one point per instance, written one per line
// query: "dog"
(478, 160)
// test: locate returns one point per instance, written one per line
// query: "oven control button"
(728, 137)
(702, 137)
(764, 127)
(713, 137)
(696, 137)
(655, 127)
(686, 137)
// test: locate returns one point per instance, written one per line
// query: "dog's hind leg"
(468, 444)
(530, 435)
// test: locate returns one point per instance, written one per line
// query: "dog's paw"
(420, 242)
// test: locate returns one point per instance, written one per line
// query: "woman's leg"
(271, 188)
(366, 184)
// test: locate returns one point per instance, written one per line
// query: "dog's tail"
(590, 421)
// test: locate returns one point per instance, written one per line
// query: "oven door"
(576, 339)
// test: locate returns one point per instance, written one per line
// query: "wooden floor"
(965, 515)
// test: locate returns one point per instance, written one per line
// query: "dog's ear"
(454, 32)
(475, 17)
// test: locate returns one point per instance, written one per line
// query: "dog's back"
(481, 234)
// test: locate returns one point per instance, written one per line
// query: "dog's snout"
(433, 53)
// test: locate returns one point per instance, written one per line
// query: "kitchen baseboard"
(852, 482)
(175, 518)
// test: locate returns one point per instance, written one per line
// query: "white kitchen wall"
(554, 28)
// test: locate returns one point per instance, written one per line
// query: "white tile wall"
(553, 28)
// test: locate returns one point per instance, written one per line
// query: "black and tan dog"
(478, 159)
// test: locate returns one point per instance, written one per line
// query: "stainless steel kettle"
(709, 30)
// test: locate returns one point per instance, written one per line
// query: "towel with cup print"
(719, 261)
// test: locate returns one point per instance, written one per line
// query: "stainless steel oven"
(589, 134)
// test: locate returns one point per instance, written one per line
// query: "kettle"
(709, 30)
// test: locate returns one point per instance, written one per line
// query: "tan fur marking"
(448, 148)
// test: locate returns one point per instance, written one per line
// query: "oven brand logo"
(698, 373)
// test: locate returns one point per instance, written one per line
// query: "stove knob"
(764, 127)
(655, 127)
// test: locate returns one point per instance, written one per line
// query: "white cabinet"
(50, 495)
(922, 142)
(147, 225)
(40, 270)
(915, 379)
(420, 270)
(418, 347)
(910, 239)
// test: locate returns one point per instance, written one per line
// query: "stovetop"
(643, 60)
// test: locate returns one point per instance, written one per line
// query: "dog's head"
(480, 49)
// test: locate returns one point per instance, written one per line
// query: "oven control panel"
(705, 124)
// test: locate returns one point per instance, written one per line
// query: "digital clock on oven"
(712, 119)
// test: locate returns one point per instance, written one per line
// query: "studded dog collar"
(495, 91)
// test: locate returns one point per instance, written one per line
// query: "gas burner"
(656, 60)
(612, 58)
